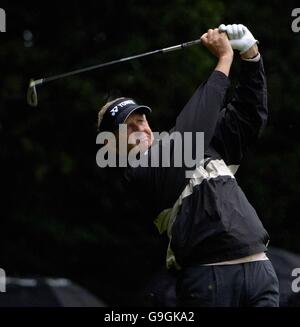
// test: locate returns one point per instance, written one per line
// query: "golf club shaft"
(78, 71)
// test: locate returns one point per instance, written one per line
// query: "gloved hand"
(239, 36)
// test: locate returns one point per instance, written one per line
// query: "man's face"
(138, 131)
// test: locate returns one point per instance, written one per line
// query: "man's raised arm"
(243, 118)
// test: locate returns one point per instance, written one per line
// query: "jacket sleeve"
(244, 117)
(200, 114)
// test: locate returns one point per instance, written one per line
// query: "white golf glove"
(239, 36)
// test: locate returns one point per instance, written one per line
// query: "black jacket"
(207, 217)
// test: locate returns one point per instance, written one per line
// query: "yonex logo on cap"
(115, 109)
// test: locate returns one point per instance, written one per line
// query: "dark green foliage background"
(61, 215)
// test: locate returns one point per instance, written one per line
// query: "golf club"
(32, 97)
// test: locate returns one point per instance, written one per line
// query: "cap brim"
(126, 113)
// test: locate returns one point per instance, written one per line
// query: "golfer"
(217, 242)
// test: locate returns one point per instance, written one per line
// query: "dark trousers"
(252, 284)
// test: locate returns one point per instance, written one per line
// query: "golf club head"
(32, 98)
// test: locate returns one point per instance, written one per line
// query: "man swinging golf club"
(216, 240)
